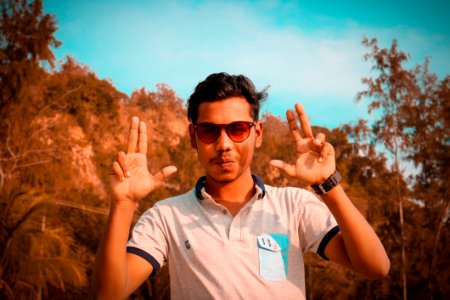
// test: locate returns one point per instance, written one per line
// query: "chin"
(223, 177)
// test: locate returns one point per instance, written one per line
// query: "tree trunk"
(402, 225)
(434, 249)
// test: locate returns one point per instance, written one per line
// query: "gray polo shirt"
(258, 254)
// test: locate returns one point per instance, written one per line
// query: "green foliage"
(427, 119)
(393, 88)
(36, 154)
(413, 127)
(277, 142)
(63, 126)
(35, 253)
(26, 38)
(76, 90)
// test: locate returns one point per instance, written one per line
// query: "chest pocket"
(273, 252)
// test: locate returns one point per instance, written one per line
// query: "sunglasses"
(237, 131)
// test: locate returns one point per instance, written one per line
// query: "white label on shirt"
(267, 242)
(273, 257)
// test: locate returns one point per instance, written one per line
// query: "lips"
(223, 162)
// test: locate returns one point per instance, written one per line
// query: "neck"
(239, 190)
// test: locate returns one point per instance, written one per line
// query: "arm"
(116, 273)
(357, 246)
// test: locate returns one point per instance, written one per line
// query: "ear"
(192, 136)
(259, 133)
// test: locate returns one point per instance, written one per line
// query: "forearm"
(364, 249)
(110, 274)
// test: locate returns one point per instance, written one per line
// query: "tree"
(276, 139)
(428, 121)
(394, 88)
(373, 186)
(35, 254)
(414, 110)
(26, 38)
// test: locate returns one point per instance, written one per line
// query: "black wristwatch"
(328, 184)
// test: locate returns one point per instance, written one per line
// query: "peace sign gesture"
(315, 158)
(131, 179)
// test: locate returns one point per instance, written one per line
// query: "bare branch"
(34, 163)
(8, 138)
(57, 102)
(32, 136)
(37, 151)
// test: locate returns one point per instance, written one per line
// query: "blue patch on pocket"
(273, 251)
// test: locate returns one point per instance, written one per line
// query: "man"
(232, 237)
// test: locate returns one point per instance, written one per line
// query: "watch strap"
(328, 184)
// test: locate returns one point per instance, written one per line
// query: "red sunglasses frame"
(227, 127)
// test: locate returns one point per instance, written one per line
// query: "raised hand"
(315, 158)
(131, 179)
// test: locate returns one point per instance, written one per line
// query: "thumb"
(285, 167)
(164, 173)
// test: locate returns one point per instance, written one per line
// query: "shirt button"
(224, 211)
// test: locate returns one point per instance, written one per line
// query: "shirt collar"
(260, 189)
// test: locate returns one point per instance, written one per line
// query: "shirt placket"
(235, 229)
(233, 225)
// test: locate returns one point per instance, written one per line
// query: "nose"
(223, 143)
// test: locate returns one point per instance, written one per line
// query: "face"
(225, 160)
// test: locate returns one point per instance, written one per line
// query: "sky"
(304, 51)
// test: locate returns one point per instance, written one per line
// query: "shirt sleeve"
(317, 225)
(149, 239)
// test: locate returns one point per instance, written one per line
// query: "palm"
(139, 182)
(315, 158)
(307, 166)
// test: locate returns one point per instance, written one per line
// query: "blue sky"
(306, 51)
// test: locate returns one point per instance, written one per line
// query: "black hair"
(220, 86)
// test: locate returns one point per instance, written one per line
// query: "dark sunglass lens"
(208, 133)
(238, 131)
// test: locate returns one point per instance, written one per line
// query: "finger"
(133, 135)
(285, 167)
(293, 126)
(318, 142)
(142, 138)
(320, 138)
(122, 160)
(117, 171)
(304, 121)
(326, 151)
(164, 173)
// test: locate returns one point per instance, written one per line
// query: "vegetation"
(61, 125)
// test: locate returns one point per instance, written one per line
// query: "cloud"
(180, 43)
(230, 37)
